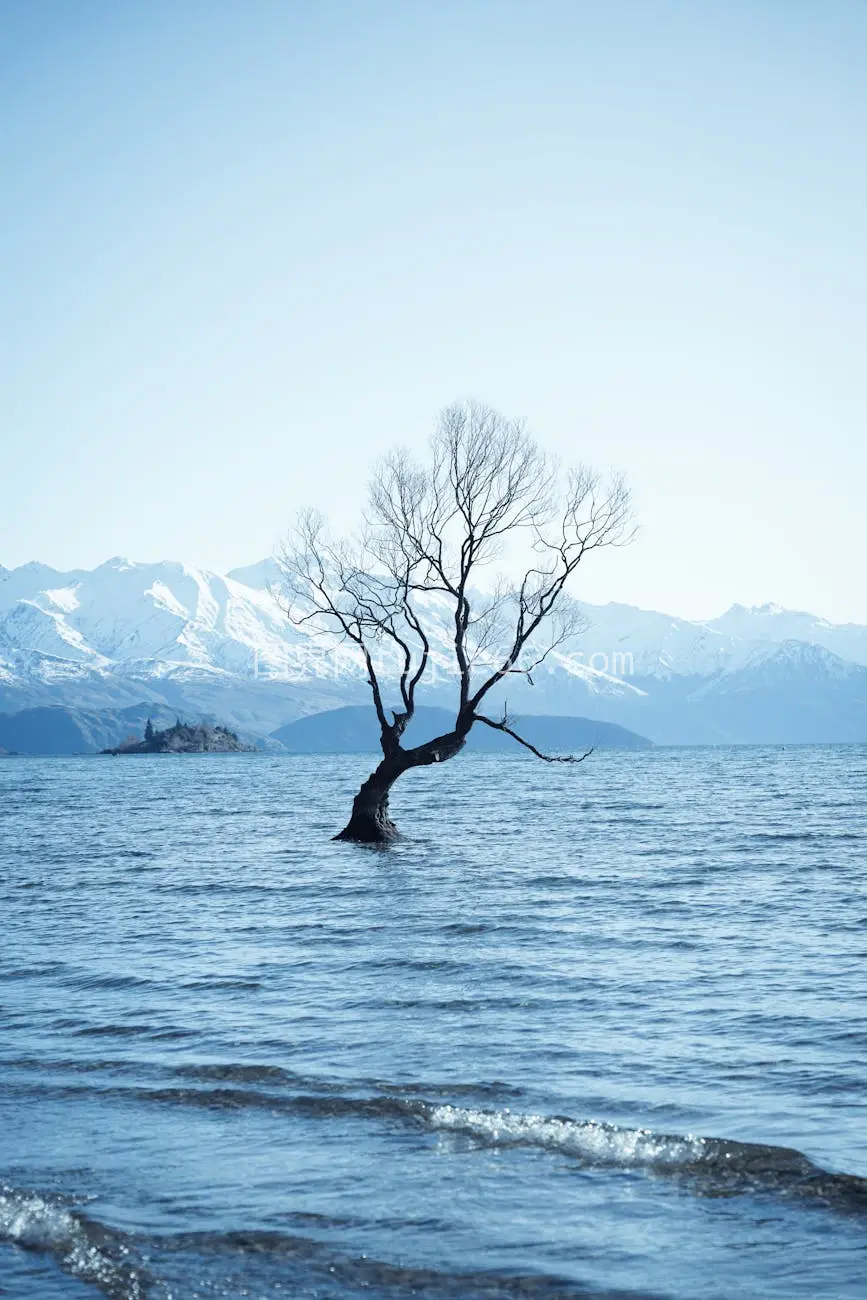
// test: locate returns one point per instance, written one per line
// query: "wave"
(362, 1274)
(81, 1247)
(103, 1257)
(723, 1162)
(710, 1165)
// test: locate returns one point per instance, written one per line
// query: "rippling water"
(595, 1031)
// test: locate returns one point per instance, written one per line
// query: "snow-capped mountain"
(769, 623)
(122, 613)
(171, 636)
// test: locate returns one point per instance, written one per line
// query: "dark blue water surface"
(586, 1031)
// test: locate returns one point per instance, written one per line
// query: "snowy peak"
(748, 611)
(651, 644)
(27, 581)
(794, 658)
(772, 623)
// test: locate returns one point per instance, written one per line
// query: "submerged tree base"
(365, 830)
(370, 822)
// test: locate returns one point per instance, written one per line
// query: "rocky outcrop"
(184, 738)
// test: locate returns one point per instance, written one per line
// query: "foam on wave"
(736, 1165)
(81, 1247)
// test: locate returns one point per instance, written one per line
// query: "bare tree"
(429, 530)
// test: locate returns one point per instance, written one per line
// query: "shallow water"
(594, 1031)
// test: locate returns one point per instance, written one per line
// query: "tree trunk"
(370, 822)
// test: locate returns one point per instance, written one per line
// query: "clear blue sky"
(247, 244)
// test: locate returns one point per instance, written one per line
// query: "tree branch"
(411, 579)
(546, 758)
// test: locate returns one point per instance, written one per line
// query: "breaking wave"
(94, 1254)
(708, 1164)
(79, 1245)
(737, 1166)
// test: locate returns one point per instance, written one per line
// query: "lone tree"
(486, 489)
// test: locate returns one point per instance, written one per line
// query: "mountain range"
(166, 638)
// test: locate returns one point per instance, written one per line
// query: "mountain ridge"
(169, 634)
(353, 729)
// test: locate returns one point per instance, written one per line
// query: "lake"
(593, 1031)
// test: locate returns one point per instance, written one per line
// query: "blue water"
(586, 1031)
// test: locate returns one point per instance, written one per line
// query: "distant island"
(184, 738)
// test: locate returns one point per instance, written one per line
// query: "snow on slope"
(770, 623)
(29, 626)
(661, 646)
(124, 613)
(170, 621)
